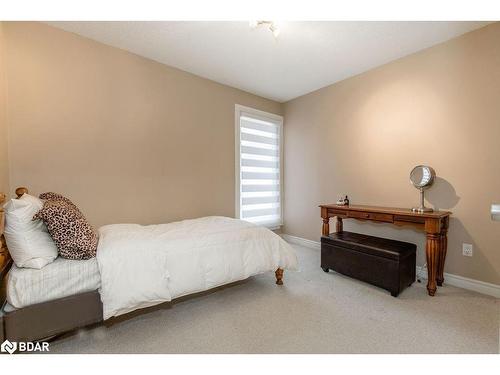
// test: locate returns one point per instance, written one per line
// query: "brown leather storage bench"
(385, 263)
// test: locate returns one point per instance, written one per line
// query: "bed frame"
(48, 319)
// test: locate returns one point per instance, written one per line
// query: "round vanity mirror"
(422, 178)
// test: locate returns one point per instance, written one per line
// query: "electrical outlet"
(467, 249)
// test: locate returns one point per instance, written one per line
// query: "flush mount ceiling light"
(271, 25)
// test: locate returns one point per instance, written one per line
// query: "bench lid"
(377, 246)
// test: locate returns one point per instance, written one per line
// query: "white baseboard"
(466, 283)
(302, 241)
(450, 279)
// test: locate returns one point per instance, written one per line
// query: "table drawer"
(410, 219)
(388, 218)
(335, 212)
(359, 215)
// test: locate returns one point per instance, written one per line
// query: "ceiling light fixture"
(271, 25)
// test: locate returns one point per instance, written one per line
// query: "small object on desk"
(342, 201)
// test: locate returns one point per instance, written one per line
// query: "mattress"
(61, 278)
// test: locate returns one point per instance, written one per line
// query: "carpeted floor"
(313, 312)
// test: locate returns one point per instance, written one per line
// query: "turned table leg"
(443, 245)
(340, 225)
(325, 231)
(432, 252)
(279, 276)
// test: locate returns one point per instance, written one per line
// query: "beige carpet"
(313, 312)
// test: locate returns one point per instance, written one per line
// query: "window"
(259, 167)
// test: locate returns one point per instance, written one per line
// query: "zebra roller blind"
(260, 169)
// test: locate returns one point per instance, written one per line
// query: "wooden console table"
(434, 224)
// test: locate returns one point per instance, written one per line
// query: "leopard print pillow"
(50, 196)
(74, 236)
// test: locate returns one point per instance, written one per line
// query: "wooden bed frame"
(48, 319)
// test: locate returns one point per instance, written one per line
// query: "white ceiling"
(305, 57)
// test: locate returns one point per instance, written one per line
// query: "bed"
(136, 267)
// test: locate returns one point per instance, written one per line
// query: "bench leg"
(279, 276)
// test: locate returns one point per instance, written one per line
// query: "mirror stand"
(422, 207)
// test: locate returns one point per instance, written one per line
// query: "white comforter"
(143, 266)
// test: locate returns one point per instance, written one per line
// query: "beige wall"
(126, 138)
(362, 136)
(4, 157)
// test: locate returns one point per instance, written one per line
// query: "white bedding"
(142, 266)
(61, 278)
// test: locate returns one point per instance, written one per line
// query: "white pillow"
(29, 242)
